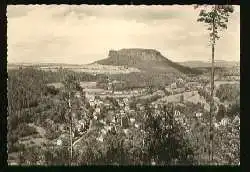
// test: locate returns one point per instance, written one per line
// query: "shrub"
(234, 110)
(52, 90)
(227, 144)
(56, 156)
(52, 134)
(24, 130)
(221, 112)
(228, 92)
(166, 144)
(16, 147)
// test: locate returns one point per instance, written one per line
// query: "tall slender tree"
(71, 85)
(216, 18)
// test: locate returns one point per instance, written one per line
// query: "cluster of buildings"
(120, 117)
(105, 112)
(120, 114)
(226, 121)
(180, 86)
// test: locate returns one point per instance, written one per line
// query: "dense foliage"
(161, 138)
(228, 92)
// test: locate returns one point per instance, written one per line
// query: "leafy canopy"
(216, 15)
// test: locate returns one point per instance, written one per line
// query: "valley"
(116, 105)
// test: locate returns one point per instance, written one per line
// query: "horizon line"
(55, 63)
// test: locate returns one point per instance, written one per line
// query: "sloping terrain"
(203, 64)
(145, 59)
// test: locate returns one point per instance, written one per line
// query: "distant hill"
(136, 68)
(145, 59)
(43, 65)
(202, 64)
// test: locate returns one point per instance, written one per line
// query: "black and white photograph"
(123, 85)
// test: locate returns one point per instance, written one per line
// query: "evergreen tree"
(216, 18)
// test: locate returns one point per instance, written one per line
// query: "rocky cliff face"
(138, 54)
(145, 59)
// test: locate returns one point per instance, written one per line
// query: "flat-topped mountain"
(145, 59)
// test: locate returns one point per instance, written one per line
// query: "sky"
(82, 34)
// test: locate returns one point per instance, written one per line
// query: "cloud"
(83, 34)
(141, 14)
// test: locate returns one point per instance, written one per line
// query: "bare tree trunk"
(121, 121)
(113, 89)
(71, 141)
(70, 131)
(212, 112)
(212, 94)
